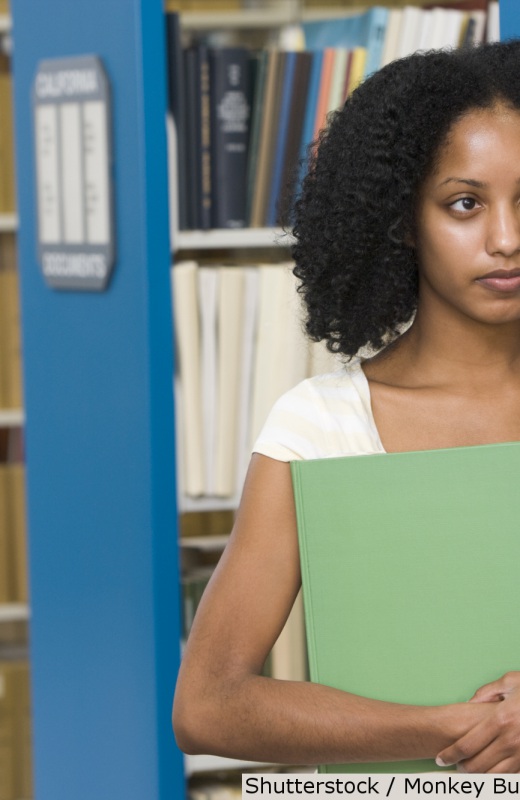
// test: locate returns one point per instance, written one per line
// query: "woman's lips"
(501, 281)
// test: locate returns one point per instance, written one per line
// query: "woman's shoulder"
(324, 416)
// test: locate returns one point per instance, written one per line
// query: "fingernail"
(440, 762)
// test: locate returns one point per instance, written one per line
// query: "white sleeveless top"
(322, 417)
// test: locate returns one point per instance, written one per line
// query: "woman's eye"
(464, 204)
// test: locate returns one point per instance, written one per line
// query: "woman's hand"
(493, 744)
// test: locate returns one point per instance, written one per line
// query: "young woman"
(410, 212)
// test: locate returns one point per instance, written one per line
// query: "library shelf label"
(71, 102)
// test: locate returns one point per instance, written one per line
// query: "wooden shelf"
(225, 238)
(195, 764)
(11, 417)
(5, 23)
(270, 16)
(187, 504)
(14, 612)
(8, 222)
(207, 543)
(246, 18)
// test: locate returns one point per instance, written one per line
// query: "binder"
(410, 572)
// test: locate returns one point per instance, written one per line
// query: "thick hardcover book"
(294, 137)
(410, 575)
(205, 136)
(196, 65)
(230, 129)
(280, 136)
(264, 162)
(359, 30)
(256, 123)
(310, 115)
(193, 131)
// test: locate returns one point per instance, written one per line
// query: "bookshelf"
(8, 223)
(12, 418)
(102, 461)
(231, 239)
(14, 612)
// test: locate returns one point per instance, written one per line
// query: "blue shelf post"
(100, 436)
(509, 19)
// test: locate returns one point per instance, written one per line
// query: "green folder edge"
(479, 467)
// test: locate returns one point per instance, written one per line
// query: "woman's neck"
(456, 352)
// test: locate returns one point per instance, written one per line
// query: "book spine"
(280, 141)
(205, 138)
(230, 125)
(192, 95)
(254, 139)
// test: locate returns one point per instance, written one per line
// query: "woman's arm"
(224, 706)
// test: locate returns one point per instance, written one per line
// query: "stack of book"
(241, 121)
(239, 346)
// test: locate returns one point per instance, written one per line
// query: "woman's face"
(468, 221)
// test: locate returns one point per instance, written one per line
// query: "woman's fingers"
(465, 748)
(496, 690)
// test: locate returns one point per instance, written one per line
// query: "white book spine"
(186, 319)
(208, 299)
(248, 355)
(231, 307)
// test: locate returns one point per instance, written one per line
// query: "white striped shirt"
(322, 417)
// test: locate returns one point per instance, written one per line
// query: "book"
(207, 284)
(187, 339)
(355, 30)
(291, 155)
(256, 123)
(230, 326)
(391, 41)
(409, 31)
(198, 135)
(322, 104)
(262, 173)
(193, 197)
(356, 68)
(280, 136)
(410, 577)
(205, 211)
(307, 137)
(230, 101)
(493, 22)
(247, 360)
(282, 349)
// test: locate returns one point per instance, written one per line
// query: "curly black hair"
(354, 218)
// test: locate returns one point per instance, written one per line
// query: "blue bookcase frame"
(100, 436)
(509, 19)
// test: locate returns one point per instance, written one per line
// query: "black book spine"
(193, 180)
(231, 98)
(205, 137)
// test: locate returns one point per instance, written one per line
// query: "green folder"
(411, 574)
